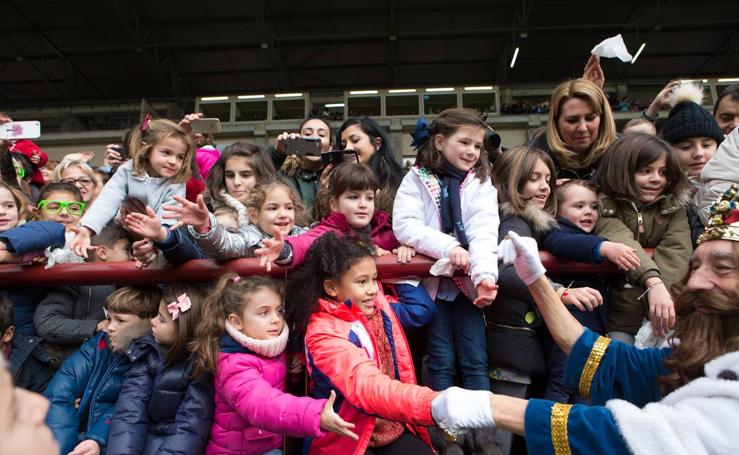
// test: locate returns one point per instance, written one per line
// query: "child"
(162, 407)
(642, 185)
(60, 202)
(351, 194)
(70, 315)
(238, 170)
(354, 342)
(718, 175)
(572, 240)
(446, 208)
(27, 361)
(525, 178)
(20, 241)
(95, 374)
(271, 205)
(240, 338)
(161, 153)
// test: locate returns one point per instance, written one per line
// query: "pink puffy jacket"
(252, 410)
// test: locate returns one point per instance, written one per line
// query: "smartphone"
(20, 130)
(303, 146)
(121, 151)
(206, 125)
(336, 157)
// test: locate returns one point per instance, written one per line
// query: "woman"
(81, 175)
(372, 144)
(579, 130)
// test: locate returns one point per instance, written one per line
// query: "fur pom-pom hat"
(687, 118)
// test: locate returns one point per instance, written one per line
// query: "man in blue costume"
(683, 399)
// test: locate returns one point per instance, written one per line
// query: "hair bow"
(420, 134)
(181, 305)
(145, 122)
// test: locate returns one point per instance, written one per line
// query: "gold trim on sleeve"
(560, 440)
(592, 364)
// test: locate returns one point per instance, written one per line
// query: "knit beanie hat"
(687, 118)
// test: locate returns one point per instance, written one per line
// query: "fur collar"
(125, 337)
(265, 348)
(240, 208)
(540, 220)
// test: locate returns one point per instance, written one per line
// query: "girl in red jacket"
(355, 344)
(241, 339)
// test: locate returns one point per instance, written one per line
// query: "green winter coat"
(662, 225)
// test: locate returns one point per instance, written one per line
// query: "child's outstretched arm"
(271, 409)
(188, 213)
(106, 204)
(481, 221)
(414, 307)
(146, 225)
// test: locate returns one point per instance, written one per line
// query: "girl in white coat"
(446, 208)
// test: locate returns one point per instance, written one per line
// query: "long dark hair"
(258, 158)
(328, 258)
(384, 163)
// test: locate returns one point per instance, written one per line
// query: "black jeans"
(408, 443)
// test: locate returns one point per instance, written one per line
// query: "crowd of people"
(488, 346)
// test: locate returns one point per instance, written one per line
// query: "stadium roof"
(62, 52)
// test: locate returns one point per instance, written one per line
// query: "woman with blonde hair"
(80, 174)
(579, 130)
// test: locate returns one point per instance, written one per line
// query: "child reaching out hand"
(161, 153)
(241, 339)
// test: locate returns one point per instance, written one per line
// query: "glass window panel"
(249, 111)
(288, 109)
(484, 102)
(220, 111)
(401, 105)
(364, 105)
(435, 103)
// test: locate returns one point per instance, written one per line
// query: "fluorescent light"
(729, 79)
(334, 105)
(363, 92)
(638, 53)
(214, 98)
(440, 89)
(482, 87)
(515, 56)
(287, 95)
(251, 97)
(402, 90)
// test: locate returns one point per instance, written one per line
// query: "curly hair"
(329, 258)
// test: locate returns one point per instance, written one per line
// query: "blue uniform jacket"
(162, 409)
(624, 372)
(95, 374)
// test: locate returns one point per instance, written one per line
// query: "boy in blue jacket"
(572, 240)
(95, 373)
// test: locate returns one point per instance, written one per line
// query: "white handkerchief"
(442, 267)
(613, 47)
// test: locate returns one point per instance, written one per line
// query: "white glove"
(456, 409)
(523, 252)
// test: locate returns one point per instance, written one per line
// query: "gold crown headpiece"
(723, 221)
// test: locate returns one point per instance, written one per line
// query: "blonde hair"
(66, 164)
(142, 143)
(513, 169)
(21, 201)
(258, 195)
(593, 95)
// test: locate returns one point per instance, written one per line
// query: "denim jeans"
(457, 335)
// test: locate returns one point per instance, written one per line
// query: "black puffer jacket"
(513, 319)
(162, 409)
(29, 363)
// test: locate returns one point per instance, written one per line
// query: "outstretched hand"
(523, 253)
(81, 243)
(456, 409)
(331, 421)
(146, 225)
(487, 290)
(271, 250)
(188, 213)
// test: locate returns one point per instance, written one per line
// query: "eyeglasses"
(55, 207)
(84, 181)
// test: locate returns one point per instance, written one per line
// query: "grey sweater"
(152, 191)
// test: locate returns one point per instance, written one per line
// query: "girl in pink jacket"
(241, 339)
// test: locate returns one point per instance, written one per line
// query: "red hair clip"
(145, 123)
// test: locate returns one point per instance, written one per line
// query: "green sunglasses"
(55, 207)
